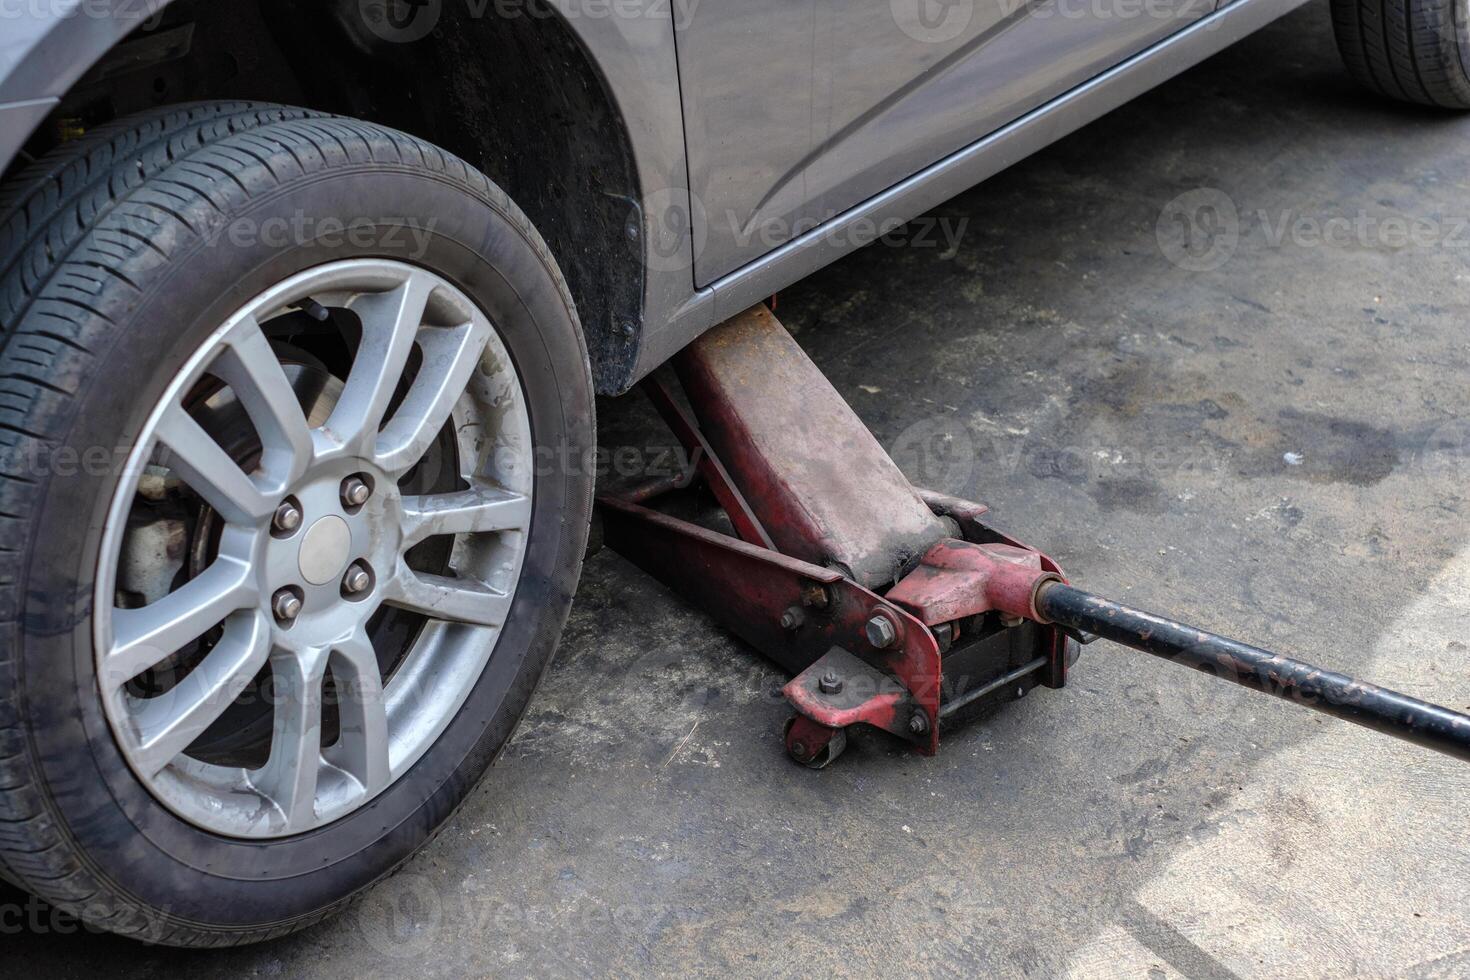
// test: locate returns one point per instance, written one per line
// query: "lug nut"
(355, 491)
(830, 683)
(287, 517)
(881, 632)
(286, 605)
(357, 578)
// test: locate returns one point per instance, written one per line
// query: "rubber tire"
(1414, 50)
(95, 318)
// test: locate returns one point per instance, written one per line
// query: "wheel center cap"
(324, 550)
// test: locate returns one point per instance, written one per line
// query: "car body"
(741, 145)
(321, 296)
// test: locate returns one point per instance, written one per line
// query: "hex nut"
(286, 605)
(357, 578)
(355, 492)
(880, 632)
(287, 517)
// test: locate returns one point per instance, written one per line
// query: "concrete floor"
(1277, 447)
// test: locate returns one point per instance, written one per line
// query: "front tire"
(207, 326)
(1412, 50)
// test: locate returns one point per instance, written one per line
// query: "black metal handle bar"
(1327, 691)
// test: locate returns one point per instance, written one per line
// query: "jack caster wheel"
(814, 746)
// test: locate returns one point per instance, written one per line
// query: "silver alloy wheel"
(260, 560)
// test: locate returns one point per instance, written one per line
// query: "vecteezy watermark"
(945, 453)
(936, 452)
(1202, 229)
(629, 463)
(1362, 230)
(411, 913)
(401, 917)
(1106, 10)
(1199, 230)
(401, 21)
(36, 461)
(944, 21)
(407, 21)
(30, 916)
(942, 452)
(408, 237)
(679, 228)
(1444, 456)
(137, 13)
(933, 21)
(926, 231)
(36, 918)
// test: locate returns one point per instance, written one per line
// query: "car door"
(911, 81)
(746, 75)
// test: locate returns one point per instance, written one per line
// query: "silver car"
(303, 309)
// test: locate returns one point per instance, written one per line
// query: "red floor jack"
(893, 606)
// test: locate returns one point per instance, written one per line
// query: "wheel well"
(508, 88)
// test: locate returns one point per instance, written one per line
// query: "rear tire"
(1413, 50)
(121, 255)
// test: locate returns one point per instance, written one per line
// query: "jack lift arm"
(894, 607)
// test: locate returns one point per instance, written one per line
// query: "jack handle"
(1359, 702)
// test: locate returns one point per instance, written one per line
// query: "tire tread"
(91, 219)
(1412, 50)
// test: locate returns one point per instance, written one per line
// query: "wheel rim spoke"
(209, 471)
(286, 564)
(450, 356)
(362, 746)
(290, 775)
(143, 638)
(169, 723)
(390, 324)
(455, 600)
(472, 511)
(251, 369)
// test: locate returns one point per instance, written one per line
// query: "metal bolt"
(287, 516)
(355, 491)
(357, 578)
(881, 632)
(830, 683)
(286, 605)
(792, 618)
(918, 723)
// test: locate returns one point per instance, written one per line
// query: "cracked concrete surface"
(1276, 448)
